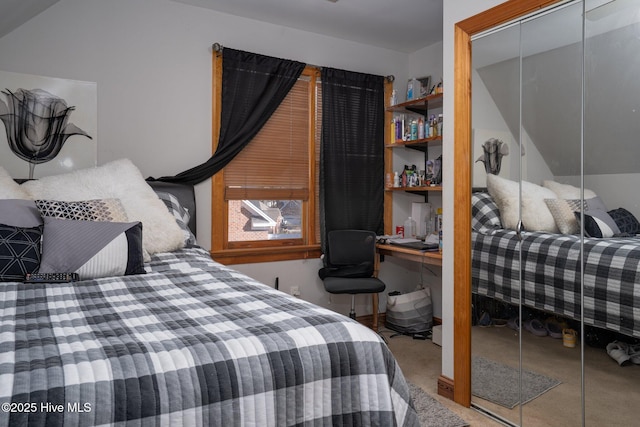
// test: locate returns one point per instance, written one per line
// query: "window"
(265, 200)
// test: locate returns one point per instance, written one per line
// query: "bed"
(189, 342)
(551, 270)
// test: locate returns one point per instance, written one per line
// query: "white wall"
(151, 60)
(453, 11)
(486, 115)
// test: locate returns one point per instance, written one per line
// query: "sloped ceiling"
(14, 13)
(402, 25)
(551, 108)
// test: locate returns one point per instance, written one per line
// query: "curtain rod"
(217, 47)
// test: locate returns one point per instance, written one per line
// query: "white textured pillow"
(9, 189)
(563, 213)
(567, 191)
(535, 213)
(122, 180)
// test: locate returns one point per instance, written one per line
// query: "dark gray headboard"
(185, 194)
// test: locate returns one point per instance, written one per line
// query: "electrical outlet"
(295, 291)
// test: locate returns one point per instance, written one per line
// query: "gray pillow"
(595, 204)
(19, 213)
(598, 224)
(92, 249)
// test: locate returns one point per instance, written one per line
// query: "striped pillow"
(92, 249)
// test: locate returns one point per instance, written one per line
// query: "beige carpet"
(610, 389)
(432, 413)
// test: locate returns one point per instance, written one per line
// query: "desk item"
(414, 244)
(421, 213)
(410, 228)
(51, 277)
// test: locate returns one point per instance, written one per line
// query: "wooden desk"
(431, 258)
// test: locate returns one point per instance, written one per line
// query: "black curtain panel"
(253, 86)
(352, 152)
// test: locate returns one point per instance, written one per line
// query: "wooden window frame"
(263, 250)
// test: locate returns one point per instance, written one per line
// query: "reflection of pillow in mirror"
(485, 214)
(567, 191)
(563, 214)
(535, 213)
(595, 204)
(625, 220)
(598, 224)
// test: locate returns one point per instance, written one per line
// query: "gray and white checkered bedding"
(191, 343)
(551, 274)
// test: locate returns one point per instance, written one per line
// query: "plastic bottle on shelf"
(396, 180)
(394, 97)
(414, 129)
(428, 219)
(434, 125)
(440, 124)
(392, 129)
(420, 128)
(410, 228)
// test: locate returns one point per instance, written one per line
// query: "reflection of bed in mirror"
(551, 270)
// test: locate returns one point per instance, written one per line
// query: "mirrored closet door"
(554, 113)
(611, 171)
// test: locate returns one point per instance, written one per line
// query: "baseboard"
(367, 320)
(445, 387)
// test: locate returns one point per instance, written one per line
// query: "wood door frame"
(463, 31)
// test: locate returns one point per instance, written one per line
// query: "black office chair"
(349, 267)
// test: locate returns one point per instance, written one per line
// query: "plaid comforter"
(551, 275)
(191, 343)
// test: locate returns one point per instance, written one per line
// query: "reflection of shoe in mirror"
(514, 323)
(634, 353)
(536, 327)
(619, 352)
(485, 320)
(554, 328)
(500, 323)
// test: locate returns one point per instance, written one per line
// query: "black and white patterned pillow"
(485, 213)
(598, 224)
(180, 213)
(86, 210)
(19, 252)
(625, 220)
